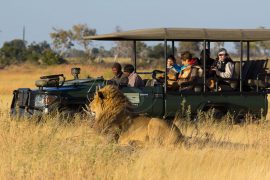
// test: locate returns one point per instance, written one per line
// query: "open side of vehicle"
(250, 85)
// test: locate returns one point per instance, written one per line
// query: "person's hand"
(213, 69)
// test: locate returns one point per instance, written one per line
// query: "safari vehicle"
(249, 92)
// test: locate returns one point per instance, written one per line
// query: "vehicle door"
(146, 100)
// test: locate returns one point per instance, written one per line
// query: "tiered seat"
(258, 77)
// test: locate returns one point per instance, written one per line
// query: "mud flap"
(13, 111)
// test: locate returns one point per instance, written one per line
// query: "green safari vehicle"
(249, 94)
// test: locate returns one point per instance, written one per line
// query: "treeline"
(71, 44)
(16, 51)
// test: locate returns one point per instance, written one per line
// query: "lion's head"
(108, 105)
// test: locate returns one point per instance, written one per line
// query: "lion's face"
(96, 105)
(109, 100)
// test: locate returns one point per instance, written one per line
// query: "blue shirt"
(178, 68)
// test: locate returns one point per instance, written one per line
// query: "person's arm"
(229, 68)
(123, 80)
(131, 81)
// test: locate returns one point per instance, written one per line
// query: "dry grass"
(54, 150)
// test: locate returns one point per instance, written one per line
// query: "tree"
(142, 50)
(193, 47)
(122, 48)
(94, 52)
(49, 57)
(35, 51)
(158, 51)
(79, 31)
(217, 46)
(13, 52)
(16, 51)
(254, 49)
(62, 40)
(264, 45)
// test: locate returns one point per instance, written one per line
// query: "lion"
(115, 117)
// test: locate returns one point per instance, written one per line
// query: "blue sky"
(40, 16)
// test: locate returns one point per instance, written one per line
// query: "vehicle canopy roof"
(187, 34)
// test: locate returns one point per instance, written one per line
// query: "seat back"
(236, 72)
(257, 67)
(198, 80)
(145, 81)
(247, 69)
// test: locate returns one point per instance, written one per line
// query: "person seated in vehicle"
(173, 69)
(193, 61)
(209, 61)
(172, 66)
(222, 69)
(119, 77)
(134, 80)
(186, 74)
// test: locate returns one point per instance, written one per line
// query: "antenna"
(23, 33)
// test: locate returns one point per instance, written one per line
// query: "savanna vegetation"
(54, 149)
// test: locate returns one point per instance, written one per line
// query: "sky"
(40, 16)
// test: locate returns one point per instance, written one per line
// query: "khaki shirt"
(120, 79)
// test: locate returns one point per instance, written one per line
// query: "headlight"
(44, 100)
(49, 99)
(39, 100)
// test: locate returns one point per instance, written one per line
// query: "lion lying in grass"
(114, 116)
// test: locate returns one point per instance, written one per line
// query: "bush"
(16, 51)
(49, 57)
(13, 52)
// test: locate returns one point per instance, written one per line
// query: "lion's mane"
(110, 106)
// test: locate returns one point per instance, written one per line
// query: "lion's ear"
(100, 95)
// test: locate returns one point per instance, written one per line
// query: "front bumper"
(26, 103)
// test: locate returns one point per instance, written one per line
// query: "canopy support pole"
(240, 68)
(173, 53)
(165, 79)
(248, 48)
(135, 55)
(204, 64)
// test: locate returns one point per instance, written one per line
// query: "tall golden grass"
(58, 150)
